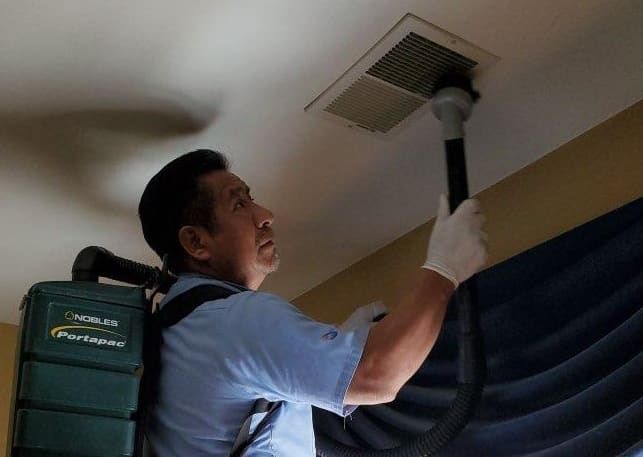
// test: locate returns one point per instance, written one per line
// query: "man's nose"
(263, 216)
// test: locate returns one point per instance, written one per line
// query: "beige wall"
(583, 179)
(8, 334)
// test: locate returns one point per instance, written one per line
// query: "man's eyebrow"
(239, 190)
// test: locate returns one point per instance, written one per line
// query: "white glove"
(363, 315)
(458, 246)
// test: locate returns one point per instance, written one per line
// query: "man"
(227, 353)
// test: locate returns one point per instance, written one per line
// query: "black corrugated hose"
(94, 262)
(471, 359)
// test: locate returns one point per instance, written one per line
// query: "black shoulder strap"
(183, 304)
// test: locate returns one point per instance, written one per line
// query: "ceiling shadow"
(61, 148)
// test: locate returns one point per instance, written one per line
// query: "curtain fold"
(563, 329)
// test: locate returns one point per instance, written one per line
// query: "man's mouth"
(266, 243)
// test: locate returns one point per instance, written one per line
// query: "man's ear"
(194, 240)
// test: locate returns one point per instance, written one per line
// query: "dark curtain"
(563, 328)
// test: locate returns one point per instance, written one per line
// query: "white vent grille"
(392, 83)
(373, 106)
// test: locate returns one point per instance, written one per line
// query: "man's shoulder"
(266, 300)
(238, 296)
(185, 283)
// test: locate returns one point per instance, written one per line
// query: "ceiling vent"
(391, 84)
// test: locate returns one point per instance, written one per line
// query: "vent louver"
(393, 82)
(373, 106)
(416, 63)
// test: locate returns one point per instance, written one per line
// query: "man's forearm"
(398, 344)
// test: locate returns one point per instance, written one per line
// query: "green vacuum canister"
(76, 385)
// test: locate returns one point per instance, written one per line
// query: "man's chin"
(269, 266)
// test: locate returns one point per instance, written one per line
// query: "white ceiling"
(95, 96)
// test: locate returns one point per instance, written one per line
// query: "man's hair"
(176, 196)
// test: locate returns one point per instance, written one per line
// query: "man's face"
(242, 247)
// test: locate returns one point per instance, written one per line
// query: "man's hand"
(458, 245)
(363, 315)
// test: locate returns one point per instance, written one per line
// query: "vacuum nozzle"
(458, 80)
(453, 98)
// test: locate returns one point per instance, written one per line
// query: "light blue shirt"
(227, 353)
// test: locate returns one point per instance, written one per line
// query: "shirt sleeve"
(279, 353)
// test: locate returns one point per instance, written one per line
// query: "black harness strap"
(182, 305)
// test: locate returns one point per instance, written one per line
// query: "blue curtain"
(563, 328)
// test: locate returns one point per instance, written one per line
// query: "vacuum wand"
(453, 98)
(452, 101)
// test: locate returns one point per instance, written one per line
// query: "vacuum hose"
(453, 97)
(94, 262)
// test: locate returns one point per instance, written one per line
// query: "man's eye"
(243, 203)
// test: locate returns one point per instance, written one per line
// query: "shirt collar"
(186, 281)
(211, 278)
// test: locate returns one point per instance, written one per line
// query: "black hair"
(174, 197)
